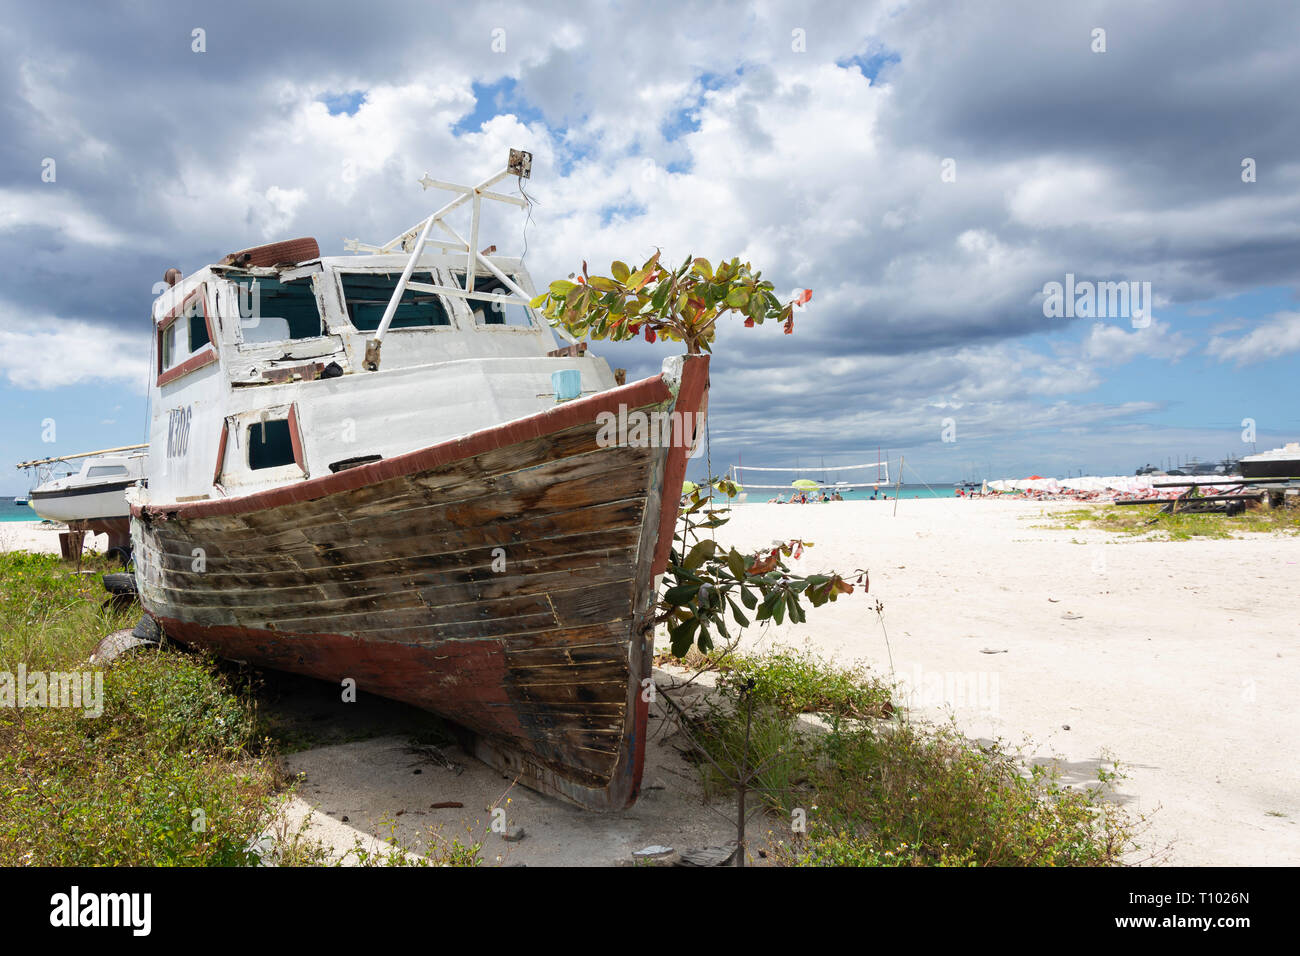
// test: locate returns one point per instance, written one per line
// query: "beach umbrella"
(1034, 478)
(804, 484)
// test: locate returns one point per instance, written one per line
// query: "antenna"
(519, 163)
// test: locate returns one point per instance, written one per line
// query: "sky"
(927, 169)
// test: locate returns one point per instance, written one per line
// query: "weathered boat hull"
(504, 580)
(89, 503)
(1266, 467)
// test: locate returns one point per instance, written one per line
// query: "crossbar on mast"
(519, 163)
(85, 454)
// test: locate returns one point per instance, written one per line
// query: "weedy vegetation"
(879, 789)
(178, 769)
(168, 774)
(1149, 521)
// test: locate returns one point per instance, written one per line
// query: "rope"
(529, 210)
(922, 480)
(149, 374)
(708, 461)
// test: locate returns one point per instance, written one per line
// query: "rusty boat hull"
(504, 580)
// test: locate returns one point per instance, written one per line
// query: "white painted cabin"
(259, 378)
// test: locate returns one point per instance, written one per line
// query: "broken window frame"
(235, 285)
(458, 278)
(452, 324)
(168, 369)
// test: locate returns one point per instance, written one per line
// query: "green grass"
(890, 792)
(169, 774)
(181, 767)
(296, 848)
(797, 682)
(906, 795)
(1147, 520)
(49, 614)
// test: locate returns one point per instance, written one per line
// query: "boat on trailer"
(92, 497)
(1281, 462)
(379, 468)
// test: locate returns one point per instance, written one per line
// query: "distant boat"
(1194, 467)
(1281, 462)
(94, 498)
(21, 502)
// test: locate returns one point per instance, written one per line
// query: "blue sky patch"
(870, 66)
(343, 103)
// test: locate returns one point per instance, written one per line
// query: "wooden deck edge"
(648, 391)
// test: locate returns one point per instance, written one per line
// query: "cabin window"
(198, 323)
(106, 471)
(167, 349)
(511, 315)
(274, 311)
(184, 342)
(270, 444)
(366, 295)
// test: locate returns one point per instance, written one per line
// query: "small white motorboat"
(93, 498)
(97, 492)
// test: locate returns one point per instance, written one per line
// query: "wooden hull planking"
(504, 580)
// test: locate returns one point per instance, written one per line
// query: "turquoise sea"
(863, 494)
(12, 512)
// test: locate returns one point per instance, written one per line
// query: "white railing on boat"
(520, 165)
(83, 454)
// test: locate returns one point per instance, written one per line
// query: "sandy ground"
(1181, 660)
(365, 785)
(41, 536)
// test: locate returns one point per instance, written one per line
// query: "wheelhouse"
(270, 370)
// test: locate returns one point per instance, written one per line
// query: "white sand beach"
(41, 537)
(1181, 659)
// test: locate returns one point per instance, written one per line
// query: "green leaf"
(562, 287)
(620, 270)
(736, 564)
(536, 302)
(737, 614)
(702, 550)
(681, 594)
(796, 612)
(681, 636)
(660, 298)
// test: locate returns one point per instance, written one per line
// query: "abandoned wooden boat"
(446, 522)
